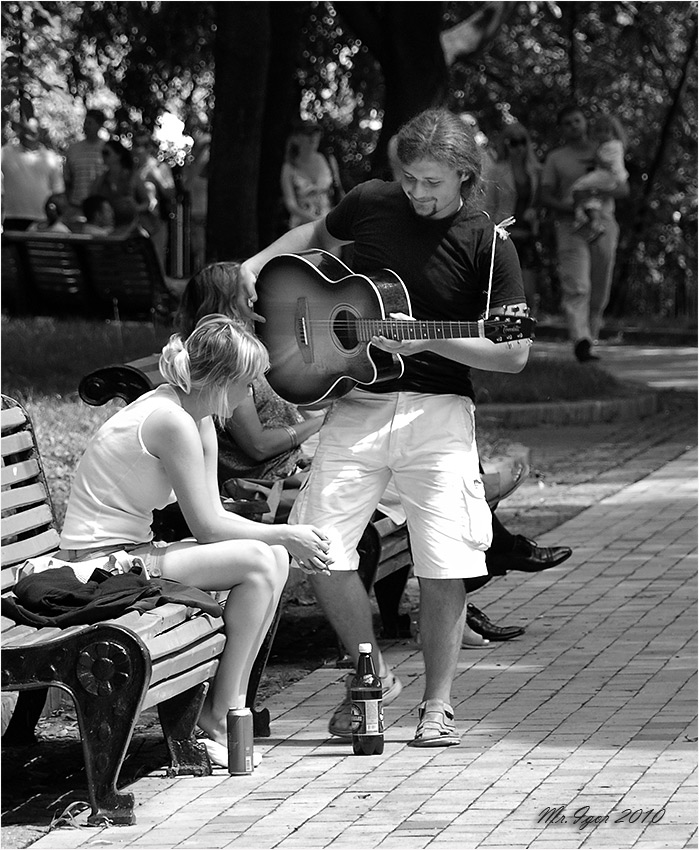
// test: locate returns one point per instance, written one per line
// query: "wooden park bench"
(80, 275)
(114, 669)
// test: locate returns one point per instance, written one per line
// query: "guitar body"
(311, 302)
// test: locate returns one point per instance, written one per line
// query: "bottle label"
(367, 717)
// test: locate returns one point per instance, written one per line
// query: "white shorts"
(425, 444)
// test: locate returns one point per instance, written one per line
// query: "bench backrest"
(125, 271)
(57, 279)
(80, 274)
(126, 382)
(28, 523)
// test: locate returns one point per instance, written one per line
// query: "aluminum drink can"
(240, 741)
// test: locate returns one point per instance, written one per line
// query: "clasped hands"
(309, 547)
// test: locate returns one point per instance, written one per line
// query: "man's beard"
(424, 210)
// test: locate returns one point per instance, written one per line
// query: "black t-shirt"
(444, 264)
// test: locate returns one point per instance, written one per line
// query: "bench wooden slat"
(45, 634)
(17, 553)
(16, 473)
(20, 497)
(393, 545)
(11, 631)
(27, 520)
(159, 621)
(194, 656)
(14, 443)
(150, 624)
(172, 687)
(8, 578)
(12, 417)
(385, 526)
(185, 635)
(390, 565)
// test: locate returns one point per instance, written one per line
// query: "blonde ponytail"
(220, 351)
(174, 363)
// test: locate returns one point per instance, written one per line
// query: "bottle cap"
(365, 647)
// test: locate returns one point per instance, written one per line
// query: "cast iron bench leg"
(178, 718)
(106, 670)
(109, 683)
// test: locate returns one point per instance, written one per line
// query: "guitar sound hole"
(344, 325)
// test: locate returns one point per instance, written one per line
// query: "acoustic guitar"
(320, 318)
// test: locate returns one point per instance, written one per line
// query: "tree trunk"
(241, 55)
(281, 107)
(404, 40)
(572, 10)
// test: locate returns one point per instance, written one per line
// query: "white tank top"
(118, 483)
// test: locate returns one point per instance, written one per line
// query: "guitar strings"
(510, 327)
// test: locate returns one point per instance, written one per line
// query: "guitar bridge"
(302, 336)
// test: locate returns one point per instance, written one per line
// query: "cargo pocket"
(478, 525)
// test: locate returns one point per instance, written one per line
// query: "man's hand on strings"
(400, 346)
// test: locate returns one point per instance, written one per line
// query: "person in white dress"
(309, 180)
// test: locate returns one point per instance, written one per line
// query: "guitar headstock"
(509, 328)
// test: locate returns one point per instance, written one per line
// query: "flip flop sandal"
(435, 727)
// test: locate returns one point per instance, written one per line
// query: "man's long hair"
(442, 136)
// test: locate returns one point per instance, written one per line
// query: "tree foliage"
(636, 61)
(361, 69)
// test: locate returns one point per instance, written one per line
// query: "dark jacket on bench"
(58, 598)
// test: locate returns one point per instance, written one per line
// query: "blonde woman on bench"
(161, 448)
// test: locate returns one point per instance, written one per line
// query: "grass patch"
(48, 355)
(548, 378)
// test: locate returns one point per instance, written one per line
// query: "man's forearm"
(483, 354)
(299, 239)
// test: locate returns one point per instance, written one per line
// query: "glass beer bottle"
(367, 706)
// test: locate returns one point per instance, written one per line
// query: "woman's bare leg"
(255, 574)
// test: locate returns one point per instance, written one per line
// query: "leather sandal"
(435, 727)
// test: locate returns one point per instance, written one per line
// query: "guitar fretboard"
(419, 329)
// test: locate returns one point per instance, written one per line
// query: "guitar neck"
(418, 329)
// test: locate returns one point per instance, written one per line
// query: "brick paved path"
(593, 711)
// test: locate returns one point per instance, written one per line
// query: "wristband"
(293, 436)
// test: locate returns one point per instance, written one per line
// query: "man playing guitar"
(418, 429)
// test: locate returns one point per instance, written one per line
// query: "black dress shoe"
(583, 351)
(526, 556)
(478, 622)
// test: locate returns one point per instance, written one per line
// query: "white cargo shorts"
(425, 444)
